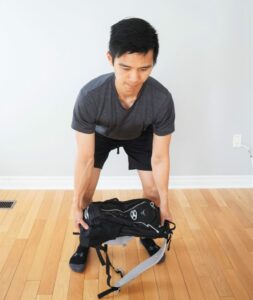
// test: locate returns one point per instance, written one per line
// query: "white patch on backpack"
(133, 214)
(86, 214)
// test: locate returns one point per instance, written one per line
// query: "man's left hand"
(165, 213)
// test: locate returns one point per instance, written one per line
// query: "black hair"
(133, 35)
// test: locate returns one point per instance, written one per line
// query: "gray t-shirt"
(98, 108)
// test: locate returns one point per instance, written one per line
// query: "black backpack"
(113, 220)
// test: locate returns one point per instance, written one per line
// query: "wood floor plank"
(25, 205)
(184, 203)
(30, 290)
(90, 290)
(54, 201)
(44, 297)
(218, 198)
(76, 288)
(183, 229)
(236, 285)
(197, 258)
(234, 235)
(163, 281)
(3, 194)
(214, 266)
(190, 276)
(62, 282)
(5, 248)
(208, 288)
(176, 276)
(196, 196)
(244, 197)
(10, 266)
(206, 217)
(18, 282)
(53, 256)
(244, 271)
(237, 210)
(31, 215)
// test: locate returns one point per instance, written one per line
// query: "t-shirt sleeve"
(84, 114)
(165, 117)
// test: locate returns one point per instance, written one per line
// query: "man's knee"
(152, 194)
(88, 196)
(89, 193)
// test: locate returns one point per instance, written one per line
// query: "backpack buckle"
(117, 291)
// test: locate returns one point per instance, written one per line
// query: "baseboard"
(125, 182)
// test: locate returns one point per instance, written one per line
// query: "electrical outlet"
(237, 140)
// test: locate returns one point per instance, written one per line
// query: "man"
(126, 109)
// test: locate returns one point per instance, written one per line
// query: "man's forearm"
(160, 169)
(83, 172)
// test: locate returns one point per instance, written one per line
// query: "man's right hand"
(78, 219)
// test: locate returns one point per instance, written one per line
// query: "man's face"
(132, 70)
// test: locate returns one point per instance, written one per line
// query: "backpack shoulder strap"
(143, 266)
(146, 264)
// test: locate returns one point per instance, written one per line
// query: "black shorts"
(139, 150)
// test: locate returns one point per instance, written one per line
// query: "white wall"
(50, 49)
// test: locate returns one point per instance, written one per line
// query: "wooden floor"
(211, 255)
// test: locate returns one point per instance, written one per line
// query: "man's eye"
(125, 68)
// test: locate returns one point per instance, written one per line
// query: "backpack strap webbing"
(107, 263)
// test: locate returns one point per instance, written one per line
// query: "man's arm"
(83, 170)
(160, 162)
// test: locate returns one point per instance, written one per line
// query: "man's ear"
(109, 57)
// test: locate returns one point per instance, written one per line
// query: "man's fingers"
(85, 225)
(166, 218)
(79, 223)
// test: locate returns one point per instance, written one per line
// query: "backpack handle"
(169, 226)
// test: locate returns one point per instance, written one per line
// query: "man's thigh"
(139, 151)
(103, 146)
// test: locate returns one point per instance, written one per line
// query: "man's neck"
(126, 96)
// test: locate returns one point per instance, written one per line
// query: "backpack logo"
(133, 214)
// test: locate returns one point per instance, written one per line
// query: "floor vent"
(7, 204)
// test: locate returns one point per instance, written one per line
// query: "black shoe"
(78, 260)
(151, 247)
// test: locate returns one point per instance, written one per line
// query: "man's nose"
(134, 77)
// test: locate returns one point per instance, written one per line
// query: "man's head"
(133, 35)
(133, 51)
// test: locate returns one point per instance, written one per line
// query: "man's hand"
(165, 213)
(78, 219)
